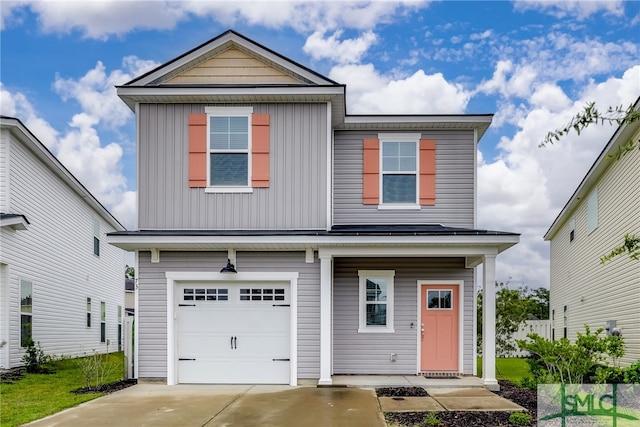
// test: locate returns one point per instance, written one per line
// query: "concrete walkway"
(216, 405)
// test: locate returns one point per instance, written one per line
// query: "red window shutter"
(197, 150)
(427, 172)
(260, 150)
(371, 171)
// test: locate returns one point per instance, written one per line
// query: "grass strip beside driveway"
(35, 396)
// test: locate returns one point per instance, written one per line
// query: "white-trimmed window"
(26, 312)
(103, 321)
(96, 236)
(572, 230)
(399, 177)
(376, 300)
(592, 211)
(88, 312)
(229, 147)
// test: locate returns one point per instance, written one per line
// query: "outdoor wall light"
(230, 268)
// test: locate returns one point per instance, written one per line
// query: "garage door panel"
(233, 371)
(242, 338)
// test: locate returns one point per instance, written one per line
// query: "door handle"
(235, 342)
(231, 342)
(422, 329)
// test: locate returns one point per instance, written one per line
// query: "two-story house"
(604, 207)
(281, 239)
(60, 283)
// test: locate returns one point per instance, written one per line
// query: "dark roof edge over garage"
(342, 230)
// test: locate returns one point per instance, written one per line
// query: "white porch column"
(489, 323)
(325, 319)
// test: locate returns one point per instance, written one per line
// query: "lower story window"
(103, 322)
(26, 312)
(376, 300)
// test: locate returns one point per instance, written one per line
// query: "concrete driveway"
(218, 405)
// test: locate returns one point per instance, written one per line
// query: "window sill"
(376, 331)
(399, 207)
(228, 190)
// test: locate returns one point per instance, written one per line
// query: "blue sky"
(532, 63)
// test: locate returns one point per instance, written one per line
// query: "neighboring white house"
(605, 206)
(60, 282)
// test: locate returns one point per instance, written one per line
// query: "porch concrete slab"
(478, 403)
(409, 404)
(459, 392)
(405, 381)
(217, 405)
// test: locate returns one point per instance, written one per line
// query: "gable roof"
(620, 137)
(33, 144)
(232, 68)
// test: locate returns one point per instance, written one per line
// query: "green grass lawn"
(38, 395)
(511, 369)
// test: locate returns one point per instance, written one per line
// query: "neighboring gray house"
(604, 207)
(354, 237)
(60, 283)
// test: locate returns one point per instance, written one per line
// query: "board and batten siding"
(4, 170)
(55, 253)
(152, 302)
(295, 198)
(369, 353)
(592, 292)
(455, 166)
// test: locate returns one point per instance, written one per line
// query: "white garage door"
(234, 333)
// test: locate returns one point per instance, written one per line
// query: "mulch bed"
(523, 397)
(401, 392)
(106, 388)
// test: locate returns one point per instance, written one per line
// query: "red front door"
(439, 335)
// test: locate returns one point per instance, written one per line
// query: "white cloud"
(481, 36)
(369, 92)
(16, 105)
(579, 9)
(344, 52)
(526, 186)
(96, 92)
(510, 80)
(102, 19)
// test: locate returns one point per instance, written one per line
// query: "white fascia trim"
(460, 285)
(131, 91)
(175, 277)
(329, 168)
(463, 119)
(316, 241)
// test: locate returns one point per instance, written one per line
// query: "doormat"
(441, 375)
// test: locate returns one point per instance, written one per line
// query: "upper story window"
(399, 172)
(572, 230)
(229, 150)
(229, 142)
(96, 237)
(592, 211)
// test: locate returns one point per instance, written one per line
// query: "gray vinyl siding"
(368, 353)
(455, 165)
(295, 199)
(152, 301)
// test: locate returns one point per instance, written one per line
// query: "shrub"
(562, 362)
(631, 374)
(34, 357)
(95, 369)
(520, 418)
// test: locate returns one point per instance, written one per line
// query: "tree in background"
(129, 272)
(513, 308)
(612, 116)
